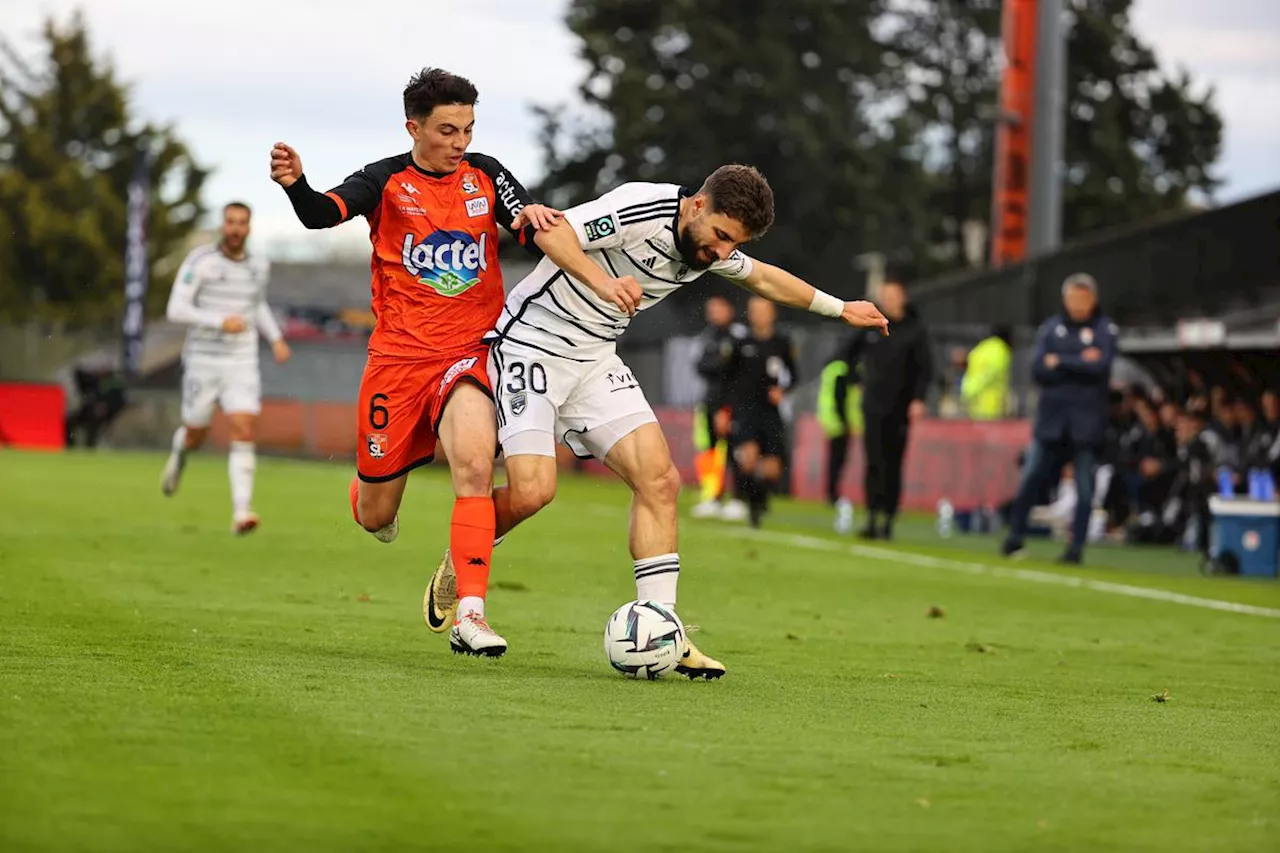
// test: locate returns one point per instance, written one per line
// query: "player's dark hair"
(239, 205)
(433, 87)
(742, 193)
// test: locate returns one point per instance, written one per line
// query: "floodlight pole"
(1044, 220)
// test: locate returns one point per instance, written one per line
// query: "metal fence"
(1201, 265)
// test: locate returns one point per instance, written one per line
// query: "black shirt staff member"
(895, 375)
(766, 370)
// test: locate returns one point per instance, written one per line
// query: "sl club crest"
(377, 442)
(470, 185)
(518, 404)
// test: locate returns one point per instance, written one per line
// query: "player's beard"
(690, 250)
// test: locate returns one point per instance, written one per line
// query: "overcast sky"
(325, 76)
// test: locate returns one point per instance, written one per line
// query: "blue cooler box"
(1250, 530)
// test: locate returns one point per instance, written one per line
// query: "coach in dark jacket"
(1074, 353)
(895, 373)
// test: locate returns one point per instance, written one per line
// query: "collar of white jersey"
(685, 192)
(238, 260)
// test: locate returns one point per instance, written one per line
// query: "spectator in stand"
(1150, 463)
(1169, 414)
(1271, 411)
(1248, 425)
(1266, 446)
(1223, 438)
(1185, 514)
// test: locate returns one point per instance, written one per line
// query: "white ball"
(644, 639)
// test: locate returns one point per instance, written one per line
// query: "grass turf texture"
(165, 685)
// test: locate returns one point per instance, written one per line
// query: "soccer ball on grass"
(644, 639)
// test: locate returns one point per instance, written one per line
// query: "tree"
(68, 144)
(1138, 141)
(677, 88)
(942, 57)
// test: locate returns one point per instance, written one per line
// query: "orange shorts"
(399, 409)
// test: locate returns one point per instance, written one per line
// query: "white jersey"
(211, 287)
(628, 231)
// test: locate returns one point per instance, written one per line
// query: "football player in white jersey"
(221, 293)
(556, 374)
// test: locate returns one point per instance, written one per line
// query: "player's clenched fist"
(286, 165)
(864, 315)
(623, 292)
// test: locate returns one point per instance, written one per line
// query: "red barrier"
(33, 416)
(969, 462)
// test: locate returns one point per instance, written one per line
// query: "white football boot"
(171, 477)
(705, 509)
(244, 521)
(471, 635)
(389, 533)
(735, 510)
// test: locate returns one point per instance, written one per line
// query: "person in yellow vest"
(840, 416)
(985, 387)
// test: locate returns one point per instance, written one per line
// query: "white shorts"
(236, 388)
(540, 398)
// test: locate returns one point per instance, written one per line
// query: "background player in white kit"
(221, 291)
(556, 373)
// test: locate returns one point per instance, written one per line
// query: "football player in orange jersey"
(433, 217)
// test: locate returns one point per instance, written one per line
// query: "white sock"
(498, 541)
(471, 604)
(180, 441)
(656, 579)
(241, 462)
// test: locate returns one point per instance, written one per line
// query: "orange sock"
(355, 499)
(471, 544)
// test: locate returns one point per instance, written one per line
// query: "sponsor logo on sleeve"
(598, 229)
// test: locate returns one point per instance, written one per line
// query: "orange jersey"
(436, 283)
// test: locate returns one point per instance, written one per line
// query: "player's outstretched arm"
(561, 244)
(778, 285)
(357, 195)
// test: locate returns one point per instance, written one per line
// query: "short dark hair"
(743, 193)
(237, 204)
(433, 87)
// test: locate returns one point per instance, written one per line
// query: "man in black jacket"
(1072, 367)
(895, 374)
(716, 365)
(766, 370)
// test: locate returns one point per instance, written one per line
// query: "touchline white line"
(1031, 575)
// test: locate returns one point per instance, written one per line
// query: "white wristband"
(826, 304)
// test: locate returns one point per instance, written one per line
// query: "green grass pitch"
(167, 686)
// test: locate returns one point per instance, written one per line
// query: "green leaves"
(68, 143)
(873, 120)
